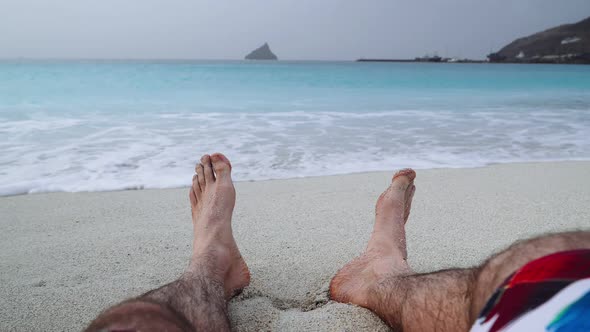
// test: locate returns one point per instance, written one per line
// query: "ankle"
(210, 260)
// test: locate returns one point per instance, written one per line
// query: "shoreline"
(468, 61)
(143, 188)
(67, 256)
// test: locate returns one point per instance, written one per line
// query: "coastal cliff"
(262, 53)
(569, 43)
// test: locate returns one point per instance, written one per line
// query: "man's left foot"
(386, 254)
(215, 252)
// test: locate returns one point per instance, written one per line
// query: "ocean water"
(99, 125)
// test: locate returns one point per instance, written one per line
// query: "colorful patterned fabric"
(551, 293)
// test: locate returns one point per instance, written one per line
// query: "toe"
(201, 177)
(195, 183)
(409, 196)
(221, 165)
(403, 178)
(208, 169)
(193, 197)
(196, 186)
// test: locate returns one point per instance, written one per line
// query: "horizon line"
(155, 59)
(196, 59)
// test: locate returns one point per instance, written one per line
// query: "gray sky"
(295, 29)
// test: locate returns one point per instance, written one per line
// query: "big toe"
(403, 179)
(221, 165)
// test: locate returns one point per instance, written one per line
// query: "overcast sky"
(295, 29)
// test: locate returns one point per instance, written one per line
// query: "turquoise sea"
(107, 125)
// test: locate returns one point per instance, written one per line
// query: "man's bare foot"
(213, 197)
(386, 252)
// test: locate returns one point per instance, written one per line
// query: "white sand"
(65, 257)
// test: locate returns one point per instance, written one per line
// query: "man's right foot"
(213, 197)
(386, 254)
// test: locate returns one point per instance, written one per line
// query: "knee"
(499, 267)
(136, 315)
(502, 265)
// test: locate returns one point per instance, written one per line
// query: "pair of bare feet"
(212, 196)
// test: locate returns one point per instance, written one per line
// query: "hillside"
(569, 43)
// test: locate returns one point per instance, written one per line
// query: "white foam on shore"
(96, 152)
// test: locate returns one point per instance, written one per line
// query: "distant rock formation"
(262, 53)
(569, 43)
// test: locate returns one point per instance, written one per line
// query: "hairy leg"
(198, 299)
(450, 300)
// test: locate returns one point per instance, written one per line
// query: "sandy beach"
(65, 256)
